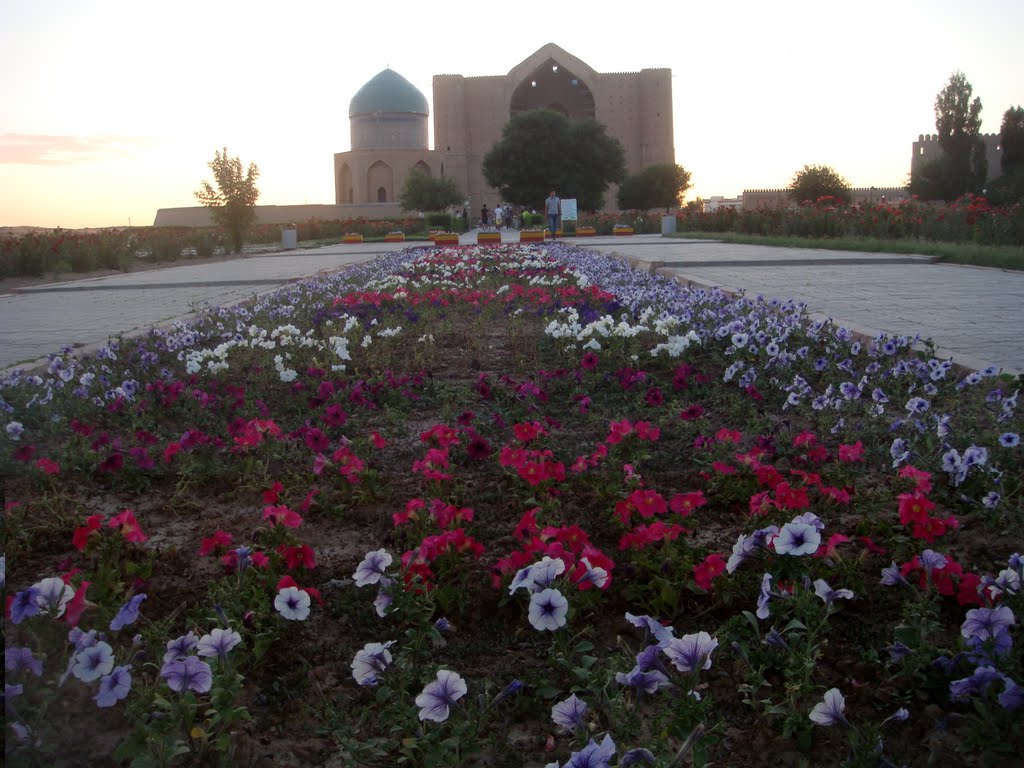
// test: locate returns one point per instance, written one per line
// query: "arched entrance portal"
(552, 86)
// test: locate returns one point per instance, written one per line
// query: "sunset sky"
(111, 110)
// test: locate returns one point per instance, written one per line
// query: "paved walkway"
(975, 315)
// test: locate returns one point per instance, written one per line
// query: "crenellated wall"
(755, 198)
(927, 148)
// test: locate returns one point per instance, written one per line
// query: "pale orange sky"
(112, 109)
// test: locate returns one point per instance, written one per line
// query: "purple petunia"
(25, 605)
(569, 713)
(828, 595)
(370, 662)
(986, 623)
(373, 566)
(593, 755)
(764, 596)
(188, 674)
(114, 687)
(648, 681)
(17, 659)
(440, 695)
(548, 610)
(829, 711)
(128, 614)
(892, 577)
(180, 647)
(797, 539)
(653, 628)
(93, 662)
(691, 652)
(218, 642)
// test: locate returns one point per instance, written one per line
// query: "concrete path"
(975, 315)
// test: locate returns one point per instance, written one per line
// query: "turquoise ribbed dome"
(388, 91)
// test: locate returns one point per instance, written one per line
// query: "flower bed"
(585, 231)
(444, 238)
(352, 237)
(488, 238)
(510, 505)
(622, 229)
(531, 236)
(394, 237)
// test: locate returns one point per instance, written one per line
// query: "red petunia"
(272, 494)
(210, 543)
(851, 453)
(81, 536)
(707, 570)
(296, 556)
(129, 526)
(685, 503)
(282, 515)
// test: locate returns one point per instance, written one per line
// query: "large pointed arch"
(380, 180)
(553, 85)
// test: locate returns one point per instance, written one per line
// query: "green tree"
(1011, 137)
(422, 192)
(542, 150)
(656, 186)
(958, 124)
(814, 181)
(233, 202)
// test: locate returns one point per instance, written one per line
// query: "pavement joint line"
(75, 288)
(815, 262)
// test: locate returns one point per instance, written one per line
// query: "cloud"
(44, 149)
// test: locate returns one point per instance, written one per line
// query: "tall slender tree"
(233, 202)
(958, 124)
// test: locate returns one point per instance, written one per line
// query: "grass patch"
(999, 256)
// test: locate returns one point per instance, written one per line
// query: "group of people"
(510, 217)
(504, 216)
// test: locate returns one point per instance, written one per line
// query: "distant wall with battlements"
(755, 198)
(927, 148)
(199, 216)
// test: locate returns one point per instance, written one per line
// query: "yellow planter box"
(531, 236)
(394, 237)
(445, 238)
(622, 231)
(352, 239)
(488, 237)
(586, 232)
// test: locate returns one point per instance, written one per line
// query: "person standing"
(499, 215)
(553, 208)
(483, 216)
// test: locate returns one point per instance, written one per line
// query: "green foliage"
(813, 182)
(963, 167)
(1012, 139)
(233, 203)
(656, 186)
(423, 192)
(439, 221)
(544, 150)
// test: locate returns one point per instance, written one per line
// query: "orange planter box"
(488, 237)
(394, 237)
(531, 236)
(352, 239)
(445, 238)
(622, 231)
(586, 232)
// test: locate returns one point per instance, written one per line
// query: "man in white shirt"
(553, 208)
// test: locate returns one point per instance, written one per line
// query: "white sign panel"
(569, 210)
